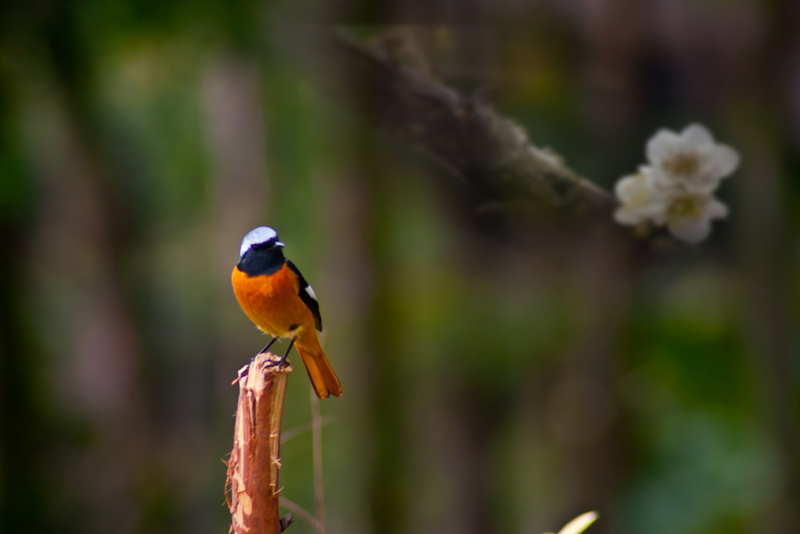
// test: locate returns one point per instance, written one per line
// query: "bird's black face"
(261, 252)
(271, 244)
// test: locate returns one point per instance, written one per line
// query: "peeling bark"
(255, 460)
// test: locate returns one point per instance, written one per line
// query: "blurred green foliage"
(499, 373)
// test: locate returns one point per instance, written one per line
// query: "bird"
(274, 295)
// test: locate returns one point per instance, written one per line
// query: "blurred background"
(501, 373)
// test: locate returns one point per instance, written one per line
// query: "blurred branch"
(465, 135)
(255, 459)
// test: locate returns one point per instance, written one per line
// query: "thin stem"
(316, 427)
(300, 512)
(295, 431)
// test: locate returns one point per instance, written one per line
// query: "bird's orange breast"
(272, 301)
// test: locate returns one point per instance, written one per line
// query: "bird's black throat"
(260, 260)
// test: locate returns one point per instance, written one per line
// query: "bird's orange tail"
(319, 370)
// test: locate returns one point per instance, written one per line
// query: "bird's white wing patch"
(310, 291)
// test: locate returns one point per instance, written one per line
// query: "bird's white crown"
(258, 236)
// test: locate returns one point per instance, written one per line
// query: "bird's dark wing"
(307, 295)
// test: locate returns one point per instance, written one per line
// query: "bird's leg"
(283, 359)
(265, 349)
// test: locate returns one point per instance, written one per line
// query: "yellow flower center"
(689, 207)
(682, 163)
(642, 194)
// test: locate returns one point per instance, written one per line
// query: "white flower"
(688, 216)
(677, 189)
(641, 199)
(691, 160)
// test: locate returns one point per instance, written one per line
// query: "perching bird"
(276, 297)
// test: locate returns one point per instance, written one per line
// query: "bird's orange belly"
(272, 302)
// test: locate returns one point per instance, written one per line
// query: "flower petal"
(666, 181)
(627, 187)
(702, 186)
(627, 216)
(579, 524)
(691, 231)
(697, 134)
(722, 160)
(662, 145)
(716, 209)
